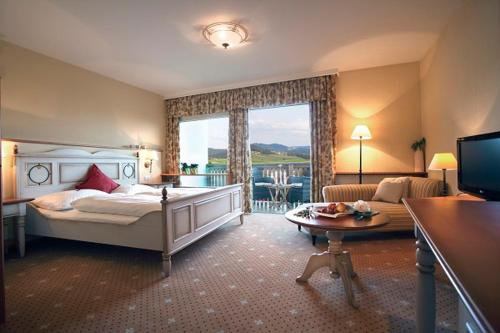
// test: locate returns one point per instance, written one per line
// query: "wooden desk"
(464, 236)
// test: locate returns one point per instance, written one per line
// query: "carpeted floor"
(238, 279)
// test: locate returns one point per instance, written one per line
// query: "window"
(204, 141)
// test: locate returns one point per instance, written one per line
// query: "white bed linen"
(130, 205)
(78, 216)
(62, 200)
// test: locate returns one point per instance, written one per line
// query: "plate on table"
(317, 210)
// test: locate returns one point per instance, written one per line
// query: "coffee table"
(337, 259)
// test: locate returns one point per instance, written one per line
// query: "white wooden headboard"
(58, 170)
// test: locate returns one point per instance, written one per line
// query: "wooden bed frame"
(181, 222)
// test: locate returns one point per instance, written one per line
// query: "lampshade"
(151, 155)
(225, 34)
(442, 161)
(361, 132)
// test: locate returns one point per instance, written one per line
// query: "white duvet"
(136, 205)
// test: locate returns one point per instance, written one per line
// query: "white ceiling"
(157, 44)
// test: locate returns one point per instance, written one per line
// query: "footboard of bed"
(189, 219)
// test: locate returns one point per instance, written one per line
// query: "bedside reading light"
(443, 161)
(149, 157)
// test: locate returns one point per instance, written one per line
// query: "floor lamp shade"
(361, 132)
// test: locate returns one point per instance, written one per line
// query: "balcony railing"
(298, 173)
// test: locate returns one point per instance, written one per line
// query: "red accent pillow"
(97, 180)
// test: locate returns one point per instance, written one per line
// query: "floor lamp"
(443, 161)
(361, 132)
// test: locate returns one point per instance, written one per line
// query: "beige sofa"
(400, 219)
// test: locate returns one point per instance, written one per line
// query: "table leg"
(315, 262)
(426, 288)
(343, 264)
(337, 260)
(347, 257)
(343, 269)
(285, 195)
(20, 235)
(274, 197)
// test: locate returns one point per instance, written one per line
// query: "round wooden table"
(337, 259)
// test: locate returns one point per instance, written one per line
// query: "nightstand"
(15, 209)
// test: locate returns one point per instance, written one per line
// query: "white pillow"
(134, 189)
(63, 200)
(392, 189)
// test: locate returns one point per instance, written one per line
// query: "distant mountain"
(300, 151)
(217, 153)
(266, 149)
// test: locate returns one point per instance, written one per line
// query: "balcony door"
(280, 142)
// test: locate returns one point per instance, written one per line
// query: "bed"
(177, 221)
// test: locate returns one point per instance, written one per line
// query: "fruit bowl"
(333, 210)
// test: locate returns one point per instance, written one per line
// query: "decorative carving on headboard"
(39, 174)
(129, 170)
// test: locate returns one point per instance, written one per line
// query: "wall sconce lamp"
(149, 157)
(361, 132)
(443, 161)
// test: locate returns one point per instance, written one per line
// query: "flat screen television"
(479, 165)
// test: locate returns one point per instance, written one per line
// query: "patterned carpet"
(238, 279)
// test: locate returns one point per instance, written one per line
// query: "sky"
(287, 125)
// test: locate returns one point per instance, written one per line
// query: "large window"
(204, 141)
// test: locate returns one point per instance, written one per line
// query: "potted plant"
(418, 148)
(185, 168)
(194, 168)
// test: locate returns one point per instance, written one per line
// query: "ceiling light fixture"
(225, 34)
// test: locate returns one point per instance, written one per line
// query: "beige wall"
(46, 99)
(461, 80)
(49, 100)
(387, 100)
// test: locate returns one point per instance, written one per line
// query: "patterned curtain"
(319, 92)
(172, 149)
(239, 163)
(265, 95)
(322, 147)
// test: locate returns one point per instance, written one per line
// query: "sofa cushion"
(424, 187)
(392, 190)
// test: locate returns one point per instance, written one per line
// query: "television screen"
(479, 165)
